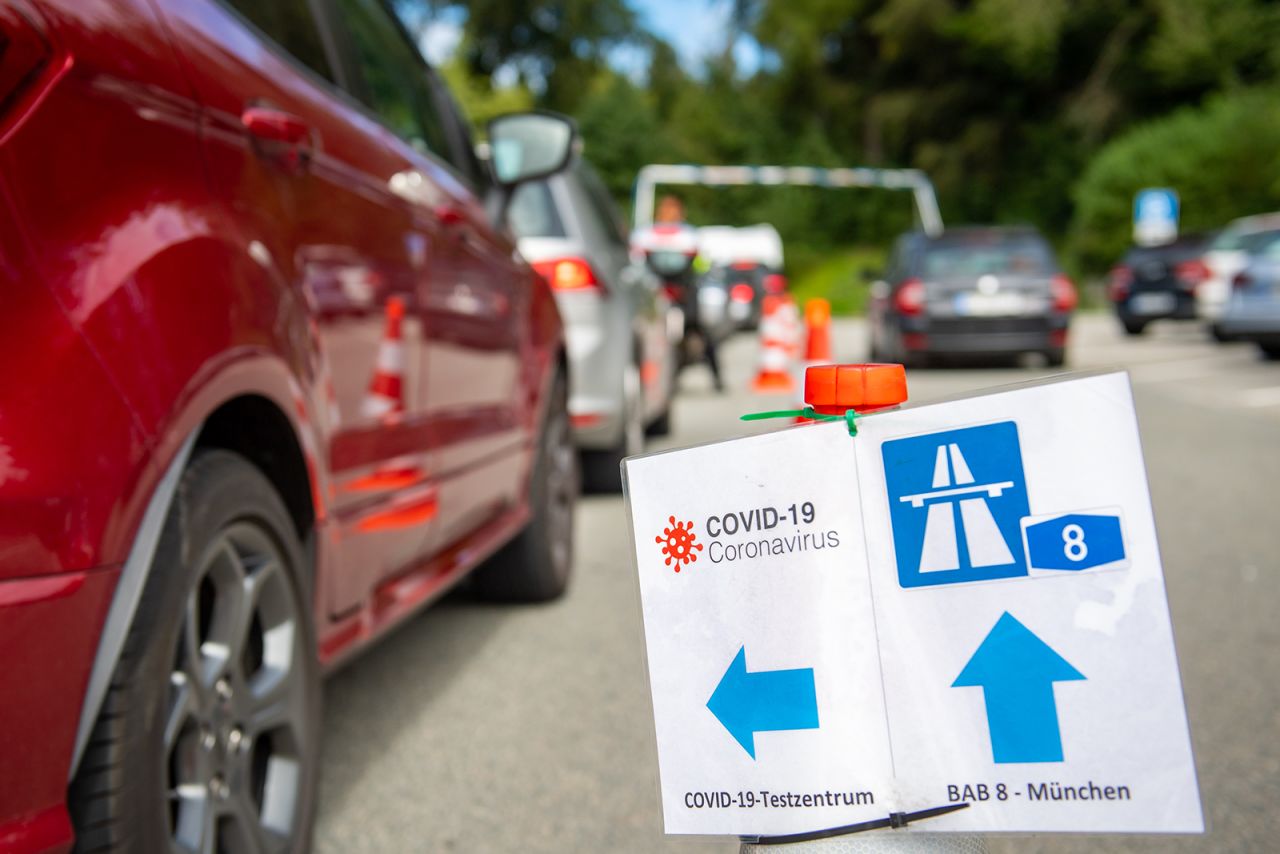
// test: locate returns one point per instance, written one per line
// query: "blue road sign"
(1155, 216)
(765, 701)
(1075, 541)
(956, 500)
(1016, 671)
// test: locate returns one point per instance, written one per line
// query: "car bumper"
(1261, 324)
(1139, 307)
(984, 335)
(597, 357)
(49, 629)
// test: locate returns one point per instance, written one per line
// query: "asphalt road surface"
(481, 728)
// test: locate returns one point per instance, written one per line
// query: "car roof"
(1256, 222)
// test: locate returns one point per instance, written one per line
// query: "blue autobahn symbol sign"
(956, 501)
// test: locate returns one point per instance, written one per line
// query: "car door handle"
(454, 222)
(284, 137)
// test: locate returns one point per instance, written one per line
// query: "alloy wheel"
(235, 726)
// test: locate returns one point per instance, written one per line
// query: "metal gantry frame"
(917, 182)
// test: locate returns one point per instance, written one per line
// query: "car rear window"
(1239, 235)
(1258, 241)
(533, 212)
(979, 257)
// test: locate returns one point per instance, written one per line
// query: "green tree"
(1221, 158)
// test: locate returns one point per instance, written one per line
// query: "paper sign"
(963, 604)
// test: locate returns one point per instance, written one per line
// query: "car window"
(533, 212)
(396, 86)
(1258, 241)
(1008, 257)
(289, 24)
(602, 205)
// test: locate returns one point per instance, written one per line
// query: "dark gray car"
(977, 290)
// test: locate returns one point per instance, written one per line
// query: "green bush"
(1222, 157)
(835, 275)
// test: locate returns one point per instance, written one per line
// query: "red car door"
(476, 302)
(310, 181)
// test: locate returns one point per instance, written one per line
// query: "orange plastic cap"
(832, 389)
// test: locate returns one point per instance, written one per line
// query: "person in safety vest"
(671, 250)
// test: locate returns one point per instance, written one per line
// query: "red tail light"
(1064, 293)
(672, 293)
(24, 51)
(743, 265)
(568, 274)
(1191, 274)
(1242, 281)
(1118, 283)
(742, 293)
(909, 297)
(775, 283)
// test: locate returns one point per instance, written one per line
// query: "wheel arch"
(264, 421)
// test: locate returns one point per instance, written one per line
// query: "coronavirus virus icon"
(679, 543)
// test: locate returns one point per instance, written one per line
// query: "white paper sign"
(963, 604)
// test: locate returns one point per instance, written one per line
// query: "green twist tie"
(849, 418)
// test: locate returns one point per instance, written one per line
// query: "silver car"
(1226, 256)
(1253, 308)
(620, 327)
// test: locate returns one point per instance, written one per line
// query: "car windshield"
(1009, 257)
(533, 212)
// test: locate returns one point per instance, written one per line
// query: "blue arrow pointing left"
(765, 701)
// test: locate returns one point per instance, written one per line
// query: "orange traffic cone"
(817, 320)
(817, 348)
(772, 375)
(386, 390)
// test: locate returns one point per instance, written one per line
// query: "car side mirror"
(525, 147)
(528, 146)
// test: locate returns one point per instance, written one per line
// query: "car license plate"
(1152, 303)
(989, 305)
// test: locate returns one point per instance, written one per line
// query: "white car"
(748, 262)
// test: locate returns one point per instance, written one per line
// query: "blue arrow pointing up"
(769, 700)
(1016, 671)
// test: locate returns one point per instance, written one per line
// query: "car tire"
(1055, 357)
(535, 566)
(210, 729)
(875, 353)
(1134, 327)
(1270, 351)
(661, 426)
(918, 359)
(602, 470)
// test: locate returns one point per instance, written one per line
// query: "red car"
(274, 380)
